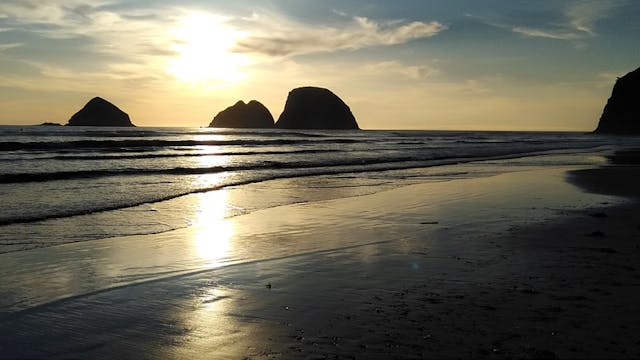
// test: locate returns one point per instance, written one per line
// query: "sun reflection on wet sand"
(210, 328)
(212, 231)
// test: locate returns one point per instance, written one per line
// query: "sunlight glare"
(203, 44)
(213, 231)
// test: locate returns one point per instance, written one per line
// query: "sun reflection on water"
(213, 231)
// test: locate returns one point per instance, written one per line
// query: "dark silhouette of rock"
(621, 115)
(315, 108)
(50, 124)
(253, 115)
(100, 112)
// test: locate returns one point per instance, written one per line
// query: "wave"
(301, 170)
(155, 143)
(142, 154)
(154, 156)
(64, 162)
(98, 132)
(266, 165)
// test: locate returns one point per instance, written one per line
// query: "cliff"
(621, 115)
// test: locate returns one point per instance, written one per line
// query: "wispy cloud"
(546, 33)
(580, 21)
(576, 22)
(59, 14)
(389, 71)
(583, 15)
(4, 47)
(392, 67)
(284, 37)
(69, 19)
(104, 37)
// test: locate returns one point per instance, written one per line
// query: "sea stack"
(621, 115)
(316, 108)
(253, 115)
(100, 112)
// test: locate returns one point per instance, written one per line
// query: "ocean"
(71, 184)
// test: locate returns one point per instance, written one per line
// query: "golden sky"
(544, 65)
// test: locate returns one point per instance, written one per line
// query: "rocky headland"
(621, 115)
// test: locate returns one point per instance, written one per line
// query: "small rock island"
(253, 115)
(316, 108)
(621, 115)
(100, 112)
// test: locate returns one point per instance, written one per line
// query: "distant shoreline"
(289, 130)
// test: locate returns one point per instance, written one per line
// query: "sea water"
(70, 184)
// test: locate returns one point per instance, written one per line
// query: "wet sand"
(521, 265)
(565, 288)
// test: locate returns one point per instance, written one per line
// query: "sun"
(203, 44)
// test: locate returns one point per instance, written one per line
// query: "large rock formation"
(621, 115)
(315, 108)
(252, 115)
(100, 112)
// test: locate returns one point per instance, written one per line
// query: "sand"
(523, 264)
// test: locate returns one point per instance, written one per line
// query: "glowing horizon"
(413, 65)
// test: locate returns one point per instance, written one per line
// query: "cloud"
(580, 20)
(100, 44)
(576, 22)
(549, 34)
(583, 15)
(94, 30)
(92, 19)
(4, 47)
(281, 37)
(413, 72)
(57, 13)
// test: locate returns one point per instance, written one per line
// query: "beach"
(535, 262)
(275, 180)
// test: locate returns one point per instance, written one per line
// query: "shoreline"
(526, 272)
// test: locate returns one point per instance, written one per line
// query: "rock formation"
(100, 112)
(315, 108)
(50, 124)
(252, 115)
(621, 115)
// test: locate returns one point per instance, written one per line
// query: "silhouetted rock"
(252, 115)
(100, 112)
(621, 115)
(50, 124)
(315, 108)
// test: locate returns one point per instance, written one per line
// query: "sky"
(427, 64)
